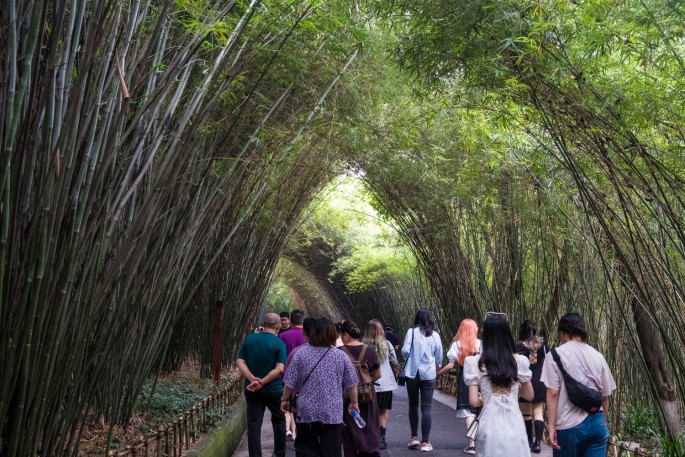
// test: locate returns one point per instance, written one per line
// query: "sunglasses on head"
(495, 314)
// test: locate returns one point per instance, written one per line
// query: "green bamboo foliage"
(595, 85)
(127, 133)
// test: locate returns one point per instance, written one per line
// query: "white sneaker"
(470, 450)
(289, 436)
(426, 447)
(414, 443)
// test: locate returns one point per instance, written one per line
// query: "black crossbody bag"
(582, 396)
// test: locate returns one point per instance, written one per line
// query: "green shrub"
(167, 401)
(672, 447)
(640, 423)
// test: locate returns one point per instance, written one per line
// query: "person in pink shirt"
(295, 335)
(293, 338)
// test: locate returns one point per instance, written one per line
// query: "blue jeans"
(587, 439)
(424, 388)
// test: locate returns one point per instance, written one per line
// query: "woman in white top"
(374, 336)
(502, 377)
(465, 344)
(422, 350)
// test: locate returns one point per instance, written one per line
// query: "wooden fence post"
(218, 311)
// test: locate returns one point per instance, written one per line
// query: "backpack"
(365, 390)
(582, 396)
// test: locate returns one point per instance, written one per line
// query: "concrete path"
(447, 432)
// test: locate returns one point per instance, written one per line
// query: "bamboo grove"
(155, 155)
(159, 156)
(569, 116)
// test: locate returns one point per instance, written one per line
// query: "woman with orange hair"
(465, 344)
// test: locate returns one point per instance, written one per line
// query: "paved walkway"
(447, 432)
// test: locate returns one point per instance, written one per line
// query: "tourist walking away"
(465, 344)
(496, 378)
(285, 321)
(422, 352)
(261, 359)
(374, 336)
(361, 441)
(532, 345)
(320, 374)
(575, 432)
(293, 338)
(392, 338)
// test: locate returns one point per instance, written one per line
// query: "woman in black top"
(533, 346)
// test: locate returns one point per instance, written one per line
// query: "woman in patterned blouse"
(320, 374)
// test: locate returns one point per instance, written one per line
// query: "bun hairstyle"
(351, 328)
(573, 324)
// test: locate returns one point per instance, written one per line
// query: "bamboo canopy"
(159, 155)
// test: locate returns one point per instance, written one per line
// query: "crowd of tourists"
(329, 386)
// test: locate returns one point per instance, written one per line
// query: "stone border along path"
(447, 432)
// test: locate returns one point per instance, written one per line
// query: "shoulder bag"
(394, 363)
(401, 377)
(472, 431)
(582, 396)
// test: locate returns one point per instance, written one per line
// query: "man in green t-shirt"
(261, 360)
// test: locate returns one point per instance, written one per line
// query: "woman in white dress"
(502, 377)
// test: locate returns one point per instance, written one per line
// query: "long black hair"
(424, 321)
(497, 359)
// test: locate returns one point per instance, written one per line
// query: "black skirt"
(384, 399)
(539, 388)
(463, 394)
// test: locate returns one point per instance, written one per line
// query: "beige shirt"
(584, 364)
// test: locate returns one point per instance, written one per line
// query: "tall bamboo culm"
(134, 155)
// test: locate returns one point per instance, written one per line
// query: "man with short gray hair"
(261, 360)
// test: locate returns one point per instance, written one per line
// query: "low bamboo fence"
(448, 386)
(176, 437)
(621, 449)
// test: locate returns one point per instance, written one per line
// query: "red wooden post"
(217, 340)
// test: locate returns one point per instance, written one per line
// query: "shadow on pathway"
(447, 432)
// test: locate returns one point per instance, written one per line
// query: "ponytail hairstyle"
(467, 338)
(497, 359)
(351, 328)
(374, 336)
(424, 321)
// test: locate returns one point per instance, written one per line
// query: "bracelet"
(355, 404)
(283, 400)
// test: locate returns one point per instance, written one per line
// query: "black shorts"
(384, 399)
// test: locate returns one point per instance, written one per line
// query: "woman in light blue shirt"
(422, 350)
